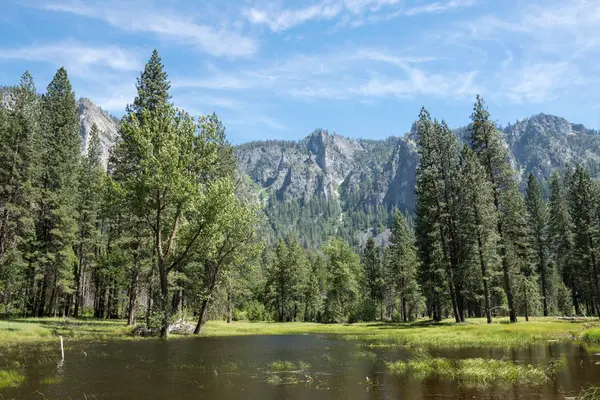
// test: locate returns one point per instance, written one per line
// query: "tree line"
(165, 219)
(168, 229)
(477, 245)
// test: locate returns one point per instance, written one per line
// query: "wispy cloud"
(280, 19)
(79, 58)
(341, 75)
(136, 17)
(352, 13)
(439, 7)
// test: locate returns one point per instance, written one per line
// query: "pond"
(273, 367)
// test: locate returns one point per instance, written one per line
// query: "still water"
(237, 368)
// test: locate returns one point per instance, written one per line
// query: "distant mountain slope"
(327, 184)
(366, 179)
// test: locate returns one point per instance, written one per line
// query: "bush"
(240, 315)
(255, 311)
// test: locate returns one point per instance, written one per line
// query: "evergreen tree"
(88, 207)
(585, 227)
(538, 226)
(18, 167)
(478, 222)
(57, 188)
(285, 282)
(486, 142)
(152, 88)
(402, 264)
(372, 273)
(561, 238)
(436, 190)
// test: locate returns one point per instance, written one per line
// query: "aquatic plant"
(10, 378)
(592, 393)
(281, 366)
(471, 371)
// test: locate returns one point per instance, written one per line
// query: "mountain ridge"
(327, 184)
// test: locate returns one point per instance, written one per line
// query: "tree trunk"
(133, 295)
(164, 297)
(202, 317)
(229, 308)
(543, 277)
(79, 282)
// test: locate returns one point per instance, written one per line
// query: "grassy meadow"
(474, 333)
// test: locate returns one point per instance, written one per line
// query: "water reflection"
(269, 367)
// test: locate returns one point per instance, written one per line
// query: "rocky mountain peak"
(90, 114)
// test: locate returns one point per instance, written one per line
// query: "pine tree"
(583, 211)
(88, 209)
(561, 238)
(436, 190)
(285, 282)
(478, 222)
(538, 226)
(372, 273)
(152, 88)
(57, 185)
(402, 265)
(486, 142)
(18, 165)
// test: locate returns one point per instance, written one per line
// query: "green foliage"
(343, 269)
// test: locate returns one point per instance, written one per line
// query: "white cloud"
(280, 19)
(540, 83)
(135, 17)
(78, 58)
(439, 7)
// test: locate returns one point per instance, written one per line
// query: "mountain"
(91, 114)
(352, 186)
(327, 184)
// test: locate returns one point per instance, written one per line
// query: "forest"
(169, 231)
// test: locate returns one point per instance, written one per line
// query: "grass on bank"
(24, 330)
(474, 333)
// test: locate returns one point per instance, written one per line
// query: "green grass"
(591, 336)
(474, 333)
(24, 330)
(472, 371)
(10, 378)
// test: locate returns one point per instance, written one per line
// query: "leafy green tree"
(343, 268)
(228, 242)
(538, 226)
(165, 164)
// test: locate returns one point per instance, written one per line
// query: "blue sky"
(279, 69)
